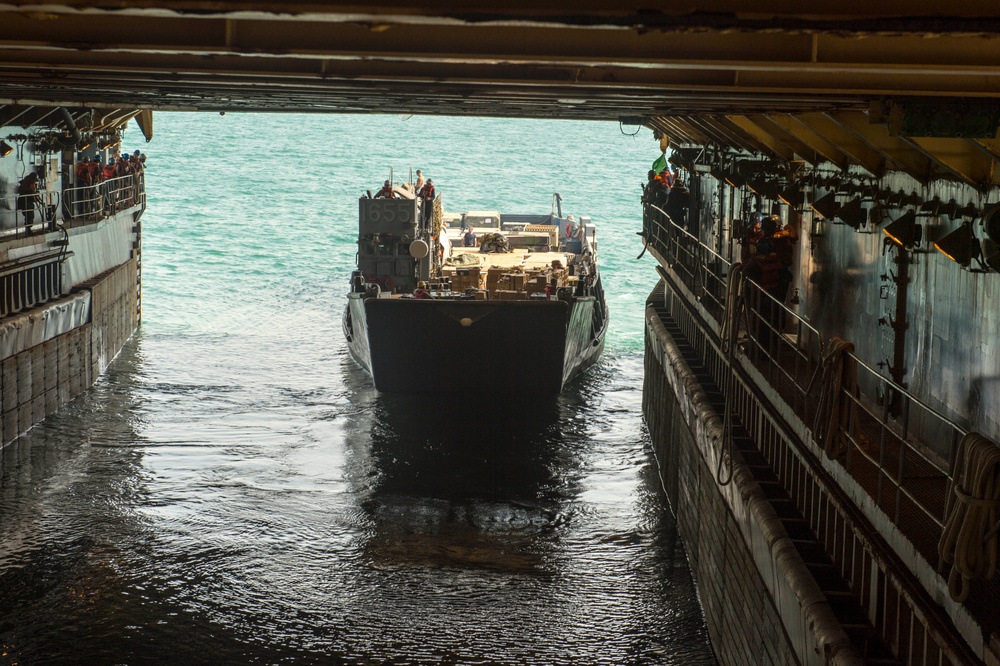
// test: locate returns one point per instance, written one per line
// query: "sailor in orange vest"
(386, 192)
(770, 268)
(426, 193)
(421, 291)
(84, 180)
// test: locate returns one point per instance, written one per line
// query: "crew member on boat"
(386, 192)
(426, 193)
(421, 291)
(469, 239)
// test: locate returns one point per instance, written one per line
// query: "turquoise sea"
(233, 490)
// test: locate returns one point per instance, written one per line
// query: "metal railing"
(23, 215)
(78, 205)
(908, 476)
(105, 198)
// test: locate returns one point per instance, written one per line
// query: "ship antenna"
(557, 202)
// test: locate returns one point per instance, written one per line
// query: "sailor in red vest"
(386, 192)
(426, 194)
(421, 291)
(770, 268)
(84, 180)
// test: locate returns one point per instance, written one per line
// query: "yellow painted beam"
(902, 155)
(847, 142)
(774, 146)
(817, 143)
(802, 150)
(961, 158)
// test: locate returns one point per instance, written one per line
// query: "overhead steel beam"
(901, 154)
(847, 142)
(774, 146)
(815, 142)
(959, 158)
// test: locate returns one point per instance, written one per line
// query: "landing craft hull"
(472, 347)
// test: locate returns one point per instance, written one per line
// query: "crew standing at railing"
(770, 268)
(84, 181)
(27, 198)
(108, 187)
(677, 204)
(94, 193)
(135, 165)
(426, 194)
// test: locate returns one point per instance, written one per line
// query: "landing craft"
(484, 301)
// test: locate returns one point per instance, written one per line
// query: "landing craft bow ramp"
(847, 82)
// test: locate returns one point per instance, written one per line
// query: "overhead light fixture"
(826, 206)
(791, 195)
(684, 157)
(893, 199)
(734, 177)
(5, 148)
(769, 189)
(904, 231)
(932, 207)
(951, 209)
(991, 244)
(969, 210)
(961, 246)
(851, 213)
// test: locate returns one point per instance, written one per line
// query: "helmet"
(422, 285)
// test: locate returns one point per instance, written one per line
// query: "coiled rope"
(969, 538)
(832, 412)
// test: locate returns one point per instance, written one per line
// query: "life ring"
(569, 231)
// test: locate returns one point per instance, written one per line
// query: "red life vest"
(770, 271)
(83, 176)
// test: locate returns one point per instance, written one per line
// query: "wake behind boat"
(482, 301)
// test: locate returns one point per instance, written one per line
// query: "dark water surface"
(235, 491)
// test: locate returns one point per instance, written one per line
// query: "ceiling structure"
(889, 85)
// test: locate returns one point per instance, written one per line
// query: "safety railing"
(105, 198)
(704, 271)
(875, 428)
(22, 215)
